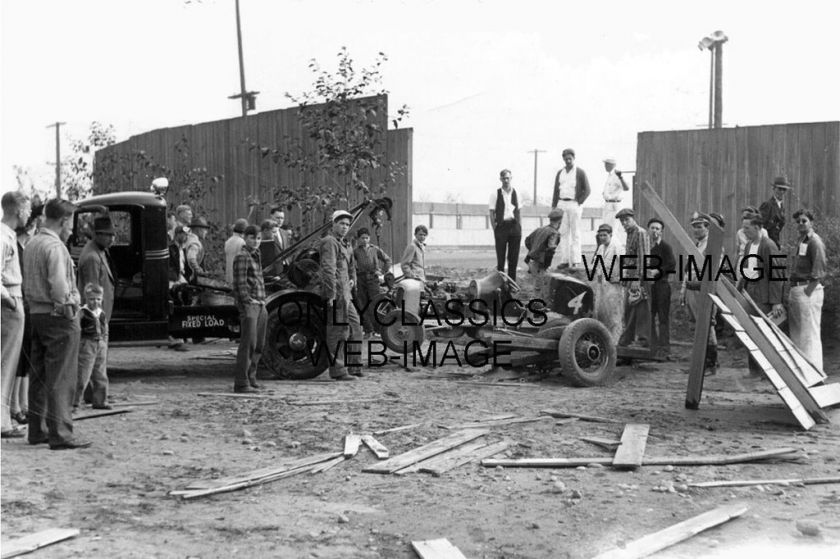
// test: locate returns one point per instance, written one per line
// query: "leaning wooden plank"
(747, 482)
(713, 460)
(447, 463)
(631, 451)
(102, 413)
(395, 429)
(464, 449)
(607, 444)
(784, 352)
(375, 446)
(675, 534)
(799, 390)
(28, 544)
(590, 418)
(826, 395)
(498, 423)
(285, 465)
(426, 451)
(437, 549)
(351, 444)
(811, 371)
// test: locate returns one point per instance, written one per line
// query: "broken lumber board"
(443, 463)
(631, 451)
(426, 451)
(712, 460)
(324, 466)
(98, 413)
(395, 429)
(826, 395)
(351, 444)
(496, 423)
(590, 418)
(675, 534)
(464, 449)
(747, 482)
(437, 549)
(339, 402)
(607, 444)
(375, 446)
(31, 542)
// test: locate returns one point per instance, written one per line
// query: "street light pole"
(57, 126)
(714, 43)
(719, 85)
(247, 98)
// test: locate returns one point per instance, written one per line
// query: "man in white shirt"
(614, 189)
(571, 189)
(233, 246)
(505, 220)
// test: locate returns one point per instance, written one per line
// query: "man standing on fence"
(806, 290)
(506, 223)
(571, 189)
(614, 189)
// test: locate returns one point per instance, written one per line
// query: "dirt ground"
(116, 492)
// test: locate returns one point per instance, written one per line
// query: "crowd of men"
(646, 301)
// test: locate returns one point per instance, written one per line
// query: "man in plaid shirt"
(636, 313)
(249, 292)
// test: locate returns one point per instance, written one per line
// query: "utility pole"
(719, 84)
(248, 98)
(714, 43)
(536, 153)
(57, 126)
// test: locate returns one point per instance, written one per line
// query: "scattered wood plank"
(99, 413)
(437, 549)
(497, 423)
(144, 403)
(31, 542)
(324, 466)
(351, 444)
(507, 384)
(395, 429)
(631, 451)
(375, 446)
(826, 395)
(713, 460)
(283, 465)
(607, 444)
(341, 402)
(747, 482)
(449, 461)
(590, 418)
(426, 451)
(678, 532)
(464, 450)
(235, 395)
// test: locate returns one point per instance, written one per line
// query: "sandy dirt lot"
(116, 492)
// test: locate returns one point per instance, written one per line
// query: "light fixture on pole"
(714, 44)
(248, 98)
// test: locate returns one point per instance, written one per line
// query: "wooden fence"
(723, 170)
(230, 170)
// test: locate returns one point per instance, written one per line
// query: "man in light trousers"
(806, 290)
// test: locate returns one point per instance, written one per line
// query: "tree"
(77, 168)
(342, 116)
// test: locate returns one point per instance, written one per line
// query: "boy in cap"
(541, 244)
(93, 350)
(343, 327)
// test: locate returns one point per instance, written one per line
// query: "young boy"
(93, 350)
(368, 275)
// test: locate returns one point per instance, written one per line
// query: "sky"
(486, 81)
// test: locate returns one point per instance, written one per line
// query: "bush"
(829, 230)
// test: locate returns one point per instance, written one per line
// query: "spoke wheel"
(587, 353)
(295, 344)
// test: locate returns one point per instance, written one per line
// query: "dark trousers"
(508, 237)
(636, 320)
(660, 311)
(367, 287)
(52, 386)
(253, 320)
(344, 331)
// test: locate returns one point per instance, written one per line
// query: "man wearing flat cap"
(344, 331)
(609, 295)
(690, 291)
(637, 289)
(541, 244)
(773, 210)
(571, 189)
(663, 264)
(614, 189)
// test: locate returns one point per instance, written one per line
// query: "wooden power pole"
(57, 126)
(536, 153)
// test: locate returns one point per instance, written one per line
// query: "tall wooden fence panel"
(724, 170)
(224, 149)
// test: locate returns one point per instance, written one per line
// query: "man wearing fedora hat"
(541, 244)
(773, 210)
(194, 249)
(95, 267)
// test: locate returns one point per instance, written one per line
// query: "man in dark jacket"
(663, 262)
(541, 244)
(571, 189)
(773, 210)
(505, 220)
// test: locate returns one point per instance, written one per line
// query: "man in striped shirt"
(249, 293)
